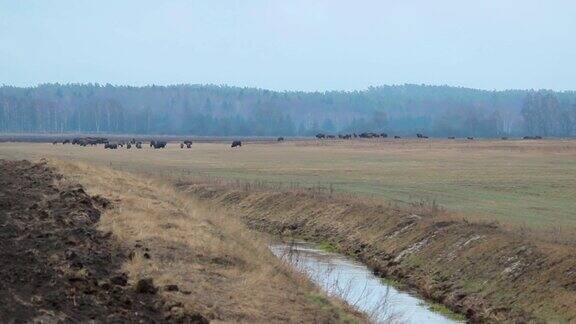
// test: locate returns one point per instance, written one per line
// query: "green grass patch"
(443, 310)
(328, 306)
(327, 246)
(393, 283)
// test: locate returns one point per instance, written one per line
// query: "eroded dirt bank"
(479, 270)
(201, 259)
(56, 265)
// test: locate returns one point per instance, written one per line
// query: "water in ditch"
(355, 283)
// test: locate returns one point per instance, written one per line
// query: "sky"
(310, 45)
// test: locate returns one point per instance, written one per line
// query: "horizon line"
(225, 85)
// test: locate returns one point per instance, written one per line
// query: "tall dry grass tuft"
(222, 269)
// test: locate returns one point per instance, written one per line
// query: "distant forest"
(208, 110)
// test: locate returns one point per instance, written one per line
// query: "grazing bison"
(383, 135)
(188, 143)
(368, 135)
(236, 143)
(54, 143)
(469, 138)
(92, 141)
(129, 146)
(504, 138)
(159, 144)
(532, 137)
(397, 137)
(139, 145)
(319, 136)
(280, 139)
(66, 142)
(421, 135)
(111, 146)
(330, 136)
(451, 137)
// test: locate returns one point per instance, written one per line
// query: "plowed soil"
(55, 264)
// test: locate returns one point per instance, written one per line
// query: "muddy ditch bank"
(56, 265)
(478, 270)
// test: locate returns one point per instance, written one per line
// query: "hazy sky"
(296, 44)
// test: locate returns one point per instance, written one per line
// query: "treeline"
(225, 111)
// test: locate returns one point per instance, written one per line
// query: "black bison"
(186, 143)
(504, 138)
(469, 138)
(66, 142)
(111, 146)
(280, 139)
(236, 143)
(532, 137)
(159, 144)
(129, 146)
(369, 135)
(92, 141)
(54, 143)
(330, 136)
(421, 136)
(383, 135)
(139, 145)
(319, 136)
(451, 137)
(397, 137)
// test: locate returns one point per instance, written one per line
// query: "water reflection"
(355, 283)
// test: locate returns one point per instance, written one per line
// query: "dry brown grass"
(526, 183)
(226, 271)
(477, 268)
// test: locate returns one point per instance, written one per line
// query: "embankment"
(480, 270)
(57, 266)
(201, 259)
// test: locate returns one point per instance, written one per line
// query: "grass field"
(527, 183)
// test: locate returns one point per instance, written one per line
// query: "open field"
(526, 183)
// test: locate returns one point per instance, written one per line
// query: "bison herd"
(361, 135)
(384, 135)
(94, 141)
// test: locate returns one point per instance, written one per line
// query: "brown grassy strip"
(220, 268)
(477, 269)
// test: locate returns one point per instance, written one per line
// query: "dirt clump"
(56, 266)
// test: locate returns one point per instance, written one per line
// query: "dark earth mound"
(55, 265)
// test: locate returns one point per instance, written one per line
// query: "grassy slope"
(528, 183)
(480, 270)
(228, 271)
